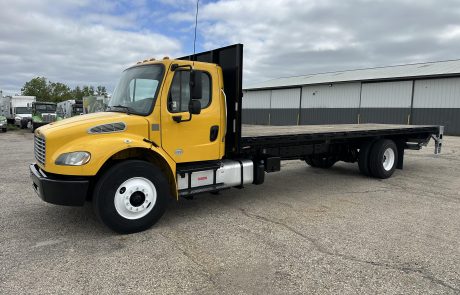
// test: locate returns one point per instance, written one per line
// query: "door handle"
(213, 133)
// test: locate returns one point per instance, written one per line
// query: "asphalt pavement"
(303, 231)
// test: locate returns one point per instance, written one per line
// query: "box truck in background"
(10, 105)
(70, 108)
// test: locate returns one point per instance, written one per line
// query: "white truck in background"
(15, 108)
(70, 108)
(23, 117)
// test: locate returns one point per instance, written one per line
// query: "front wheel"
(131, 196)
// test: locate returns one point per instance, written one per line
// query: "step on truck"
(173, 129)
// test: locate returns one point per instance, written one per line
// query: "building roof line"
(401, 71)
(361, 69)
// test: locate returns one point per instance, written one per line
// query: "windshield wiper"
(128, 109)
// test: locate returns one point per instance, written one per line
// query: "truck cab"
(23, 116)
(43, 113)
(165, 117)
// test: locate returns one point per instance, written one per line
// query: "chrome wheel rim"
(135, 198)
(388, 159)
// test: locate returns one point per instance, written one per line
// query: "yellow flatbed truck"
(173, 129)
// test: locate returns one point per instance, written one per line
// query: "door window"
(179, 95)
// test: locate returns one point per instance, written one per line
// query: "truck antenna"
(196, 24)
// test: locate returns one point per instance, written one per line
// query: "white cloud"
(82, 41)
(451, 32)
(292, 37)
(92, 49)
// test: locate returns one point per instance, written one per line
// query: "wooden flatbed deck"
(255, 137)
(262, 130)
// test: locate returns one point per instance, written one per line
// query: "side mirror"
(195, 85)
(194, 107)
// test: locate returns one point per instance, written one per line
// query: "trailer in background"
(4, 105)
(94, 104)
(70, 108)
(3, 123)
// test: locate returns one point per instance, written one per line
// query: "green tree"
(45, 90)
(77, 93)
(59, 91)
(88, 90)
(37, 87)
(101, 91)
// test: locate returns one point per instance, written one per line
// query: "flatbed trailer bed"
(261, 135)
(342, 142)
(257, 131)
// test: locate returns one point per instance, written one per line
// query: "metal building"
(423, 93)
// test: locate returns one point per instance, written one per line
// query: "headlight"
(73, 159)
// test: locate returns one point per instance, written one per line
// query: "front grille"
(40, 150)
(49, 118)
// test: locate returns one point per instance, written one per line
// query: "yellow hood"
(73, 134)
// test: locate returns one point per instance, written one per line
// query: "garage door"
(285, 106)
(386, 102)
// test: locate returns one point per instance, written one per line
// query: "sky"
(85, 42)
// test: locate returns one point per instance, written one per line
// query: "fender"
(151, 153)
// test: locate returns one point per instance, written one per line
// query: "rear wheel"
(383, 158)
(321, 162)
(131, 196)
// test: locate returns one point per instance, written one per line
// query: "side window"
(179, 95)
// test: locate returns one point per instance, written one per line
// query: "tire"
(322, 162)
(4, 129)
(363, 158)
(383, 158)
(124, 200)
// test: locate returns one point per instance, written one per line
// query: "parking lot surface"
(303, 231)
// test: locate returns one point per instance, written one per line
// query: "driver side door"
(197, 139)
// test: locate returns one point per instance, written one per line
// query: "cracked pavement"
(303, 231)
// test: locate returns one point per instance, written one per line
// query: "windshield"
(45, 108)
(23, 110)
(137, 90)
